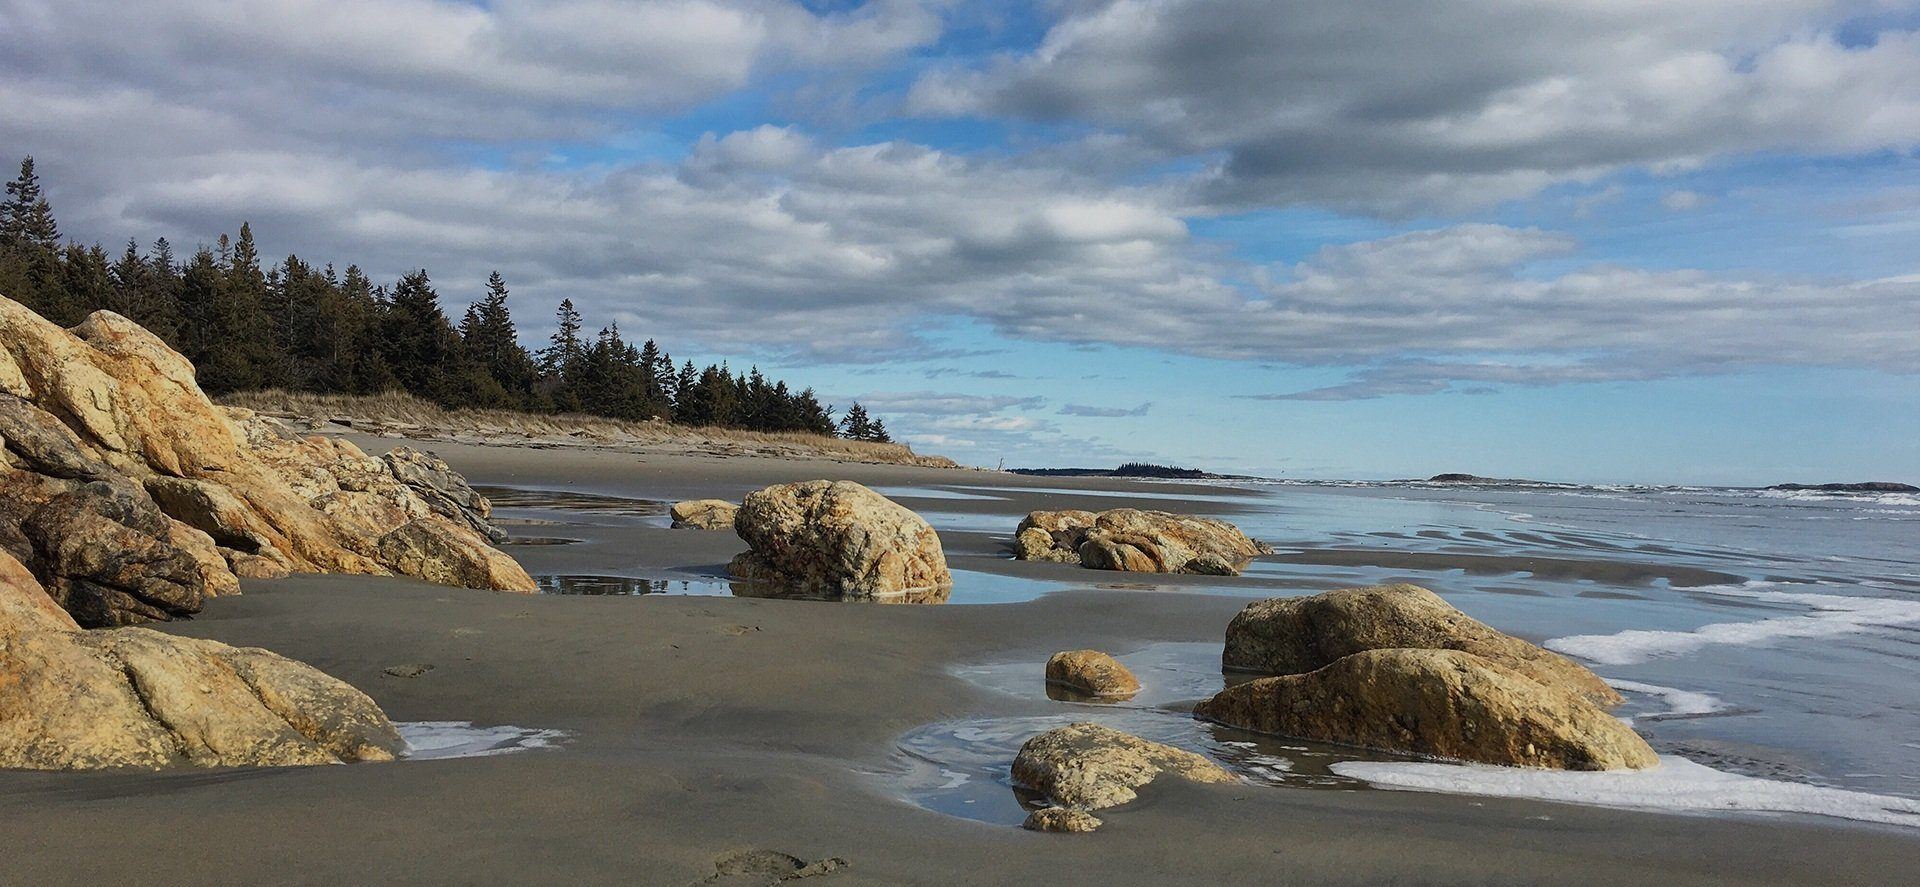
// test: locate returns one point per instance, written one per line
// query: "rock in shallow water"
(1093, 767)
(1136, 541)
(1091, 672)
(703, 514)
(1443, 703)
(1296, 635)
(837, 539)
(131, 697)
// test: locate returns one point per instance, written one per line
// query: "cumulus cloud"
(1399, 106)
(1076, 409)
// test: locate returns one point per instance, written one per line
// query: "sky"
(1586, 240)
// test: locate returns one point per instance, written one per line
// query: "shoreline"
(704, 725)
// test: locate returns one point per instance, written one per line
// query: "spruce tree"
(27, 217)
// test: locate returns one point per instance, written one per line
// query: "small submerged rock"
(703, 514)
(1092, 767)
(1061, 819)
(1136, 541)
(837, 540)
(1091, 672)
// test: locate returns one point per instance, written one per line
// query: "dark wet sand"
(707, 725)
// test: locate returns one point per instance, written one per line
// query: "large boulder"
(703, 514)
(1295, 635)
(1091, 767)
(1136, 541)
(838, 540)
(129, 697)
(1091, 672)
(132, 497)
(1442, 703)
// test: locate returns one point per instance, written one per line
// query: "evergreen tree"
(494, 344)
(856, 425)
(421, 348)
(27, 217)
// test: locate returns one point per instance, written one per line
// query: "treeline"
(303, 327)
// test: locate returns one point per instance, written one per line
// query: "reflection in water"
(629, 585)
(515, 497)
(938, 595)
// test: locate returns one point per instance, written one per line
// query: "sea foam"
(1828, 615)
(438, 740)
(1676, 785)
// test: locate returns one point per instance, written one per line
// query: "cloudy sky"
(1609, 240)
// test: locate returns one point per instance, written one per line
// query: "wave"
(1828, 615)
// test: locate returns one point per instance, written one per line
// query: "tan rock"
(1094, 767)
(1052, 535)
(1295, 635)
(108, 403)
(1091, 672)
(837, 539)
(1443, 703)
(1061, 819)
(704, 514)
(1136, 541)
(130, 697)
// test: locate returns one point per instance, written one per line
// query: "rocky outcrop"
(1296, 635)
(1136, 541)
(1090, 767)
(703, 514)
(1442, 703)
(130, 697)
(1872, 486)
(132, 497)
(1091, 672)
(837, 540)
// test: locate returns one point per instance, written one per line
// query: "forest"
(299, 326)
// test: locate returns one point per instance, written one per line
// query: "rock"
(1093, 767)
(444, 491)
(704, 514)
(1091, 672)
(1136, 541)
(1443, 703)
(837, 539)
(411, 670)
(768, 867)
(1052, 535)
(1296, 635)
(131, 697)
(132, 497)
(1061, 819)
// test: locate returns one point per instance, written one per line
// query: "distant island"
(1130, 469)
(1874, 486)
(1456, 478)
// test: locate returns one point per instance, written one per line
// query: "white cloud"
(1681, 200)
(1400, 107)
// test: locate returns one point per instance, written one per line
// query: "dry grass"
(406, 415)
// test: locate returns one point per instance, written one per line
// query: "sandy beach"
(698, 726)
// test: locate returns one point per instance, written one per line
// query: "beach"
(698, 725)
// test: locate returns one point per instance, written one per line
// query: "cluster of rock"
(1136, 541)
(131, 497)
(703, 514)
(1084, 767)
(1396, 668)
(132, 697)
(838, 540)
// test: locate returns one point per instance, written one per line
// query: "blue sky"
(1594, 240)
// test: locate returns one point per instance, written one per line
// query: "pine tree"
(856, 425)
(420, 345)
(494, 344)
(27, 217)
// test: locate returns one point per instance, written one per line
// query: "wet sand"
(706, 725)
